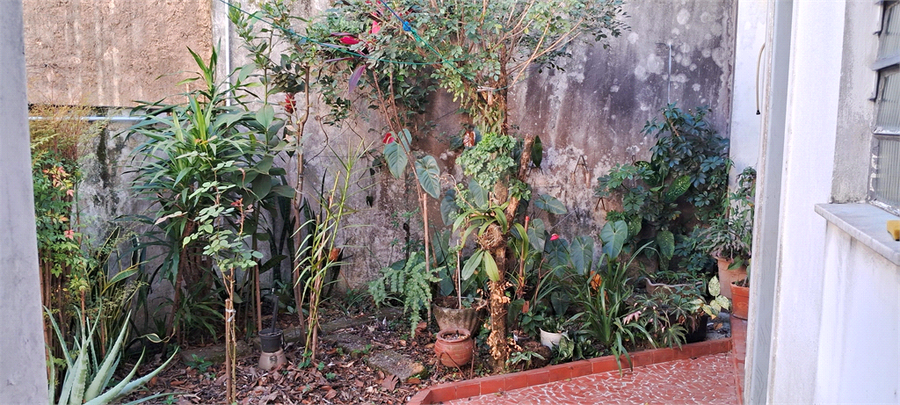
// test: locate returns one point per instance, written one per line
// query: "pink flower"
(554, 237)
(69, 234)
(375, 28)
(348, 40)
(388, 138)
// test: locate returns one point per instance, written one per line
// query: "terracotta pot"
(454, 347)
(740, 301)
(448, 317)
(726, 276)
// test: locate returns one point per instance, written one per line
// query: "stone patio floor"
(710, 379)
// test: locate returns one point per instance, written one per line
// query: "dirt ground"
(336, 377)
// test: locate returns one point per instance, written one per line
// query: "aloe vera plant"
(87, 382)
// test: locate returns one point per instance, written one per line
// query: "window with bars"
(885, 180)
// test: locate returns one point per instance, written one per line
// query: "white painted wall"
(835, 302)
(748, 92)
(809, 139)
(859, 349)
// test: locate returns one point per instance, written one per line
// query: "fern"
(410, 282)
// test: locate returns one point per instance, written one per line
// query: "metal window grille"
(885, 179)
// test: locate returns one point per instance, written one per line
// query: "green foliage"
(524, 357)
(730, 235)
(320, 250)
(198, 363)
(87, 381)
(604, 295)
(197, 163)
(54, 179)
(490, 161)
(687, 173)
(409, 281)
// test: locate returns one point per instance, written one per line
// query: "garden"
(242, 243)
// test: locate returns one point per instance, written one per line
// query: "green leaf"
(123, 275)
(264, 164)
(666, 242)
(537, 152)
(283, 191)
(262, 185)
(429, 175)
(723, 301)
(266, 115)
(396, 159)
(479, 194)
(678, 188)
(714, 287)
(581, 252)
(448, 206)
(471, 264)
(613, 236)
(536, 234)
(405, 139)
(550, 204)
(490, 267)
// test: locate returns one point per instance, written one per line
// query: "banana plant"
(87, 382)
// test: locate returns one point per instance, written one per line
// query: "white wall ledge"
(865, 223)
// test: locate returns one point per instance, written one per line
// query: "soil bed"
(336, 377)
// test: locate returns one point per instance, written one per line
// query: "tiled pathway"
(715, 378)
(705, 380)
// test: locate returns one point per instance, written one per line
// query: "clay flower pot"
(740, 301)
(728, 276)
(448, 316)
(454, 347)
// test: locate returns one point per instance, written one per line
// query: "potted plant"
(740, 297)
(454, 347)
(729, 237)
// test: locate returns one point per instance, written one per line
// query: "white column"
(23, 375)
(813, 95)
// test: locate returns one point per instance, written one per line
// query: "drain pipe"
(92, 118)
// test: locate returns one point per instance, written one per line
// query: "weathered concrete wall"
(23, 372)
(114, 52)
(590, 116)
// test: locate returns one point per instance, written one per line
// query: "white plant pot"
(550, 339)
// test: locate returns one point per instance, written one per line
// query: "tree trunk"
(499, 306)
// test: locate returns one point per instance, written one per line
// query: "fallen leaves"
(390, 382)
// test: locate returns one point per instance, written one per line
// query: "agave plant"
(87, 382)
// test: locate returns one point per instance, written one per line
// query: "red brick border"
(507, 382)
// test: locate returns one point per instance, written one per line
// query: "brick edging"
(507, 382)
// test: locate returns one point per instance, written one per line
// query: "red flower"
(388, 138)
(289, 103)
(348, 40)
(375, 28)
(554, 237)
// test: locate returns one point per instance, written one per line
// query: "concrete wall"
(113, 52)
(589, 116)
(23, 372)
